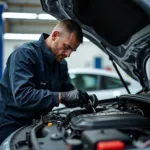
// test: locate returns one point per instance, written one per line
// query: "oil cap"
(56, 136)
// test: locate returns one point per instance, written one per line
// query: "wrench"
(94, 111)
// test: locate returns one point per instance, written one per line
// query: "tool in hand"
(92, 106)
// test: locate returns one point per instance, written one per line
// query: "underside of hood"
(121, 28)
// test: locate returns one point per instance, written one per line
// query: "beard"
(60, 58)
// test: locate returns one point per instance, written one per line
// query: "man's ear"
(55, 34)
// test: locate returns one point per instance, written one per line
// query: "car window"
(85, 82)
(111, 83)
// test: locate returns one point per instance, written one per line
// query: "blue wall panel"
(2, 8)
(98, 62)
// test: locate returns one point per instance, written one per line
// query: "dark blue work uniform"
(30, 85)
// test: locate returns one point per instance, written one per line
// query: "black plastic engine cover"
(109, 120)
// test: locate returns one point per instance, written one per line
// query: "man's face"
(64, 45)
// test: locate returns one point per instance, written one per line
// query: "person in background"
(36, 78)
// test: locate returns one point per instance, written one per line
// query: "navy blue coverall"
(30, 85)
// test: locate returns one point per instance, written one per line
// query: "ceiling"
(27, 26)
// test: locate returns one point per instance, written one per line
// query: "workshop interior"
(112, 65)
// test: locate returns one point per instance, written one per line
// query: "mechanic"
(36, 78)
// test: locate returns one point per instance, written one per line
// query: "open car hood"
(121, 28)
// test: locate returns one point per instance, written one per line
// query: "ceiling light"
(19, 15)
(46, 17)
(21, 36)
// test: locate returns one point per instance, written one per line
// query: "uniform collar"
(49, 56)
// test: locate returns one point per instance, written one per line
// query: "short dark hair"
(73, 26)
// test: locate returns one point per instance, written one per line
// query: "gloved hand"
(74, 98)
(94, 100)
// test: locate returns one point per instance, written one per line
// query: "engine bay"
(117, 124)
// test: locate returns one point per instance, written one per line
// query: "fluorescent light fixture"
(46, 17)
(22, 36)
(16, 15)
(19, 15)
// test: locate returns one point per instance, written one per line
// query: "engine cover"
(109, 119)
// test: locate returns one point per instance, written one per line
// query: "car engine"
(116, 124)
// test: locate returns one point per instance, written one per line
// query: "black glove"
(74, 98)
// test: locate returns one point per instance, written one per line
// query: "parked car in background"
(105, 84)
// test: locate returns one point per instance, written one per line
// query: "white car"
(105, 84)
